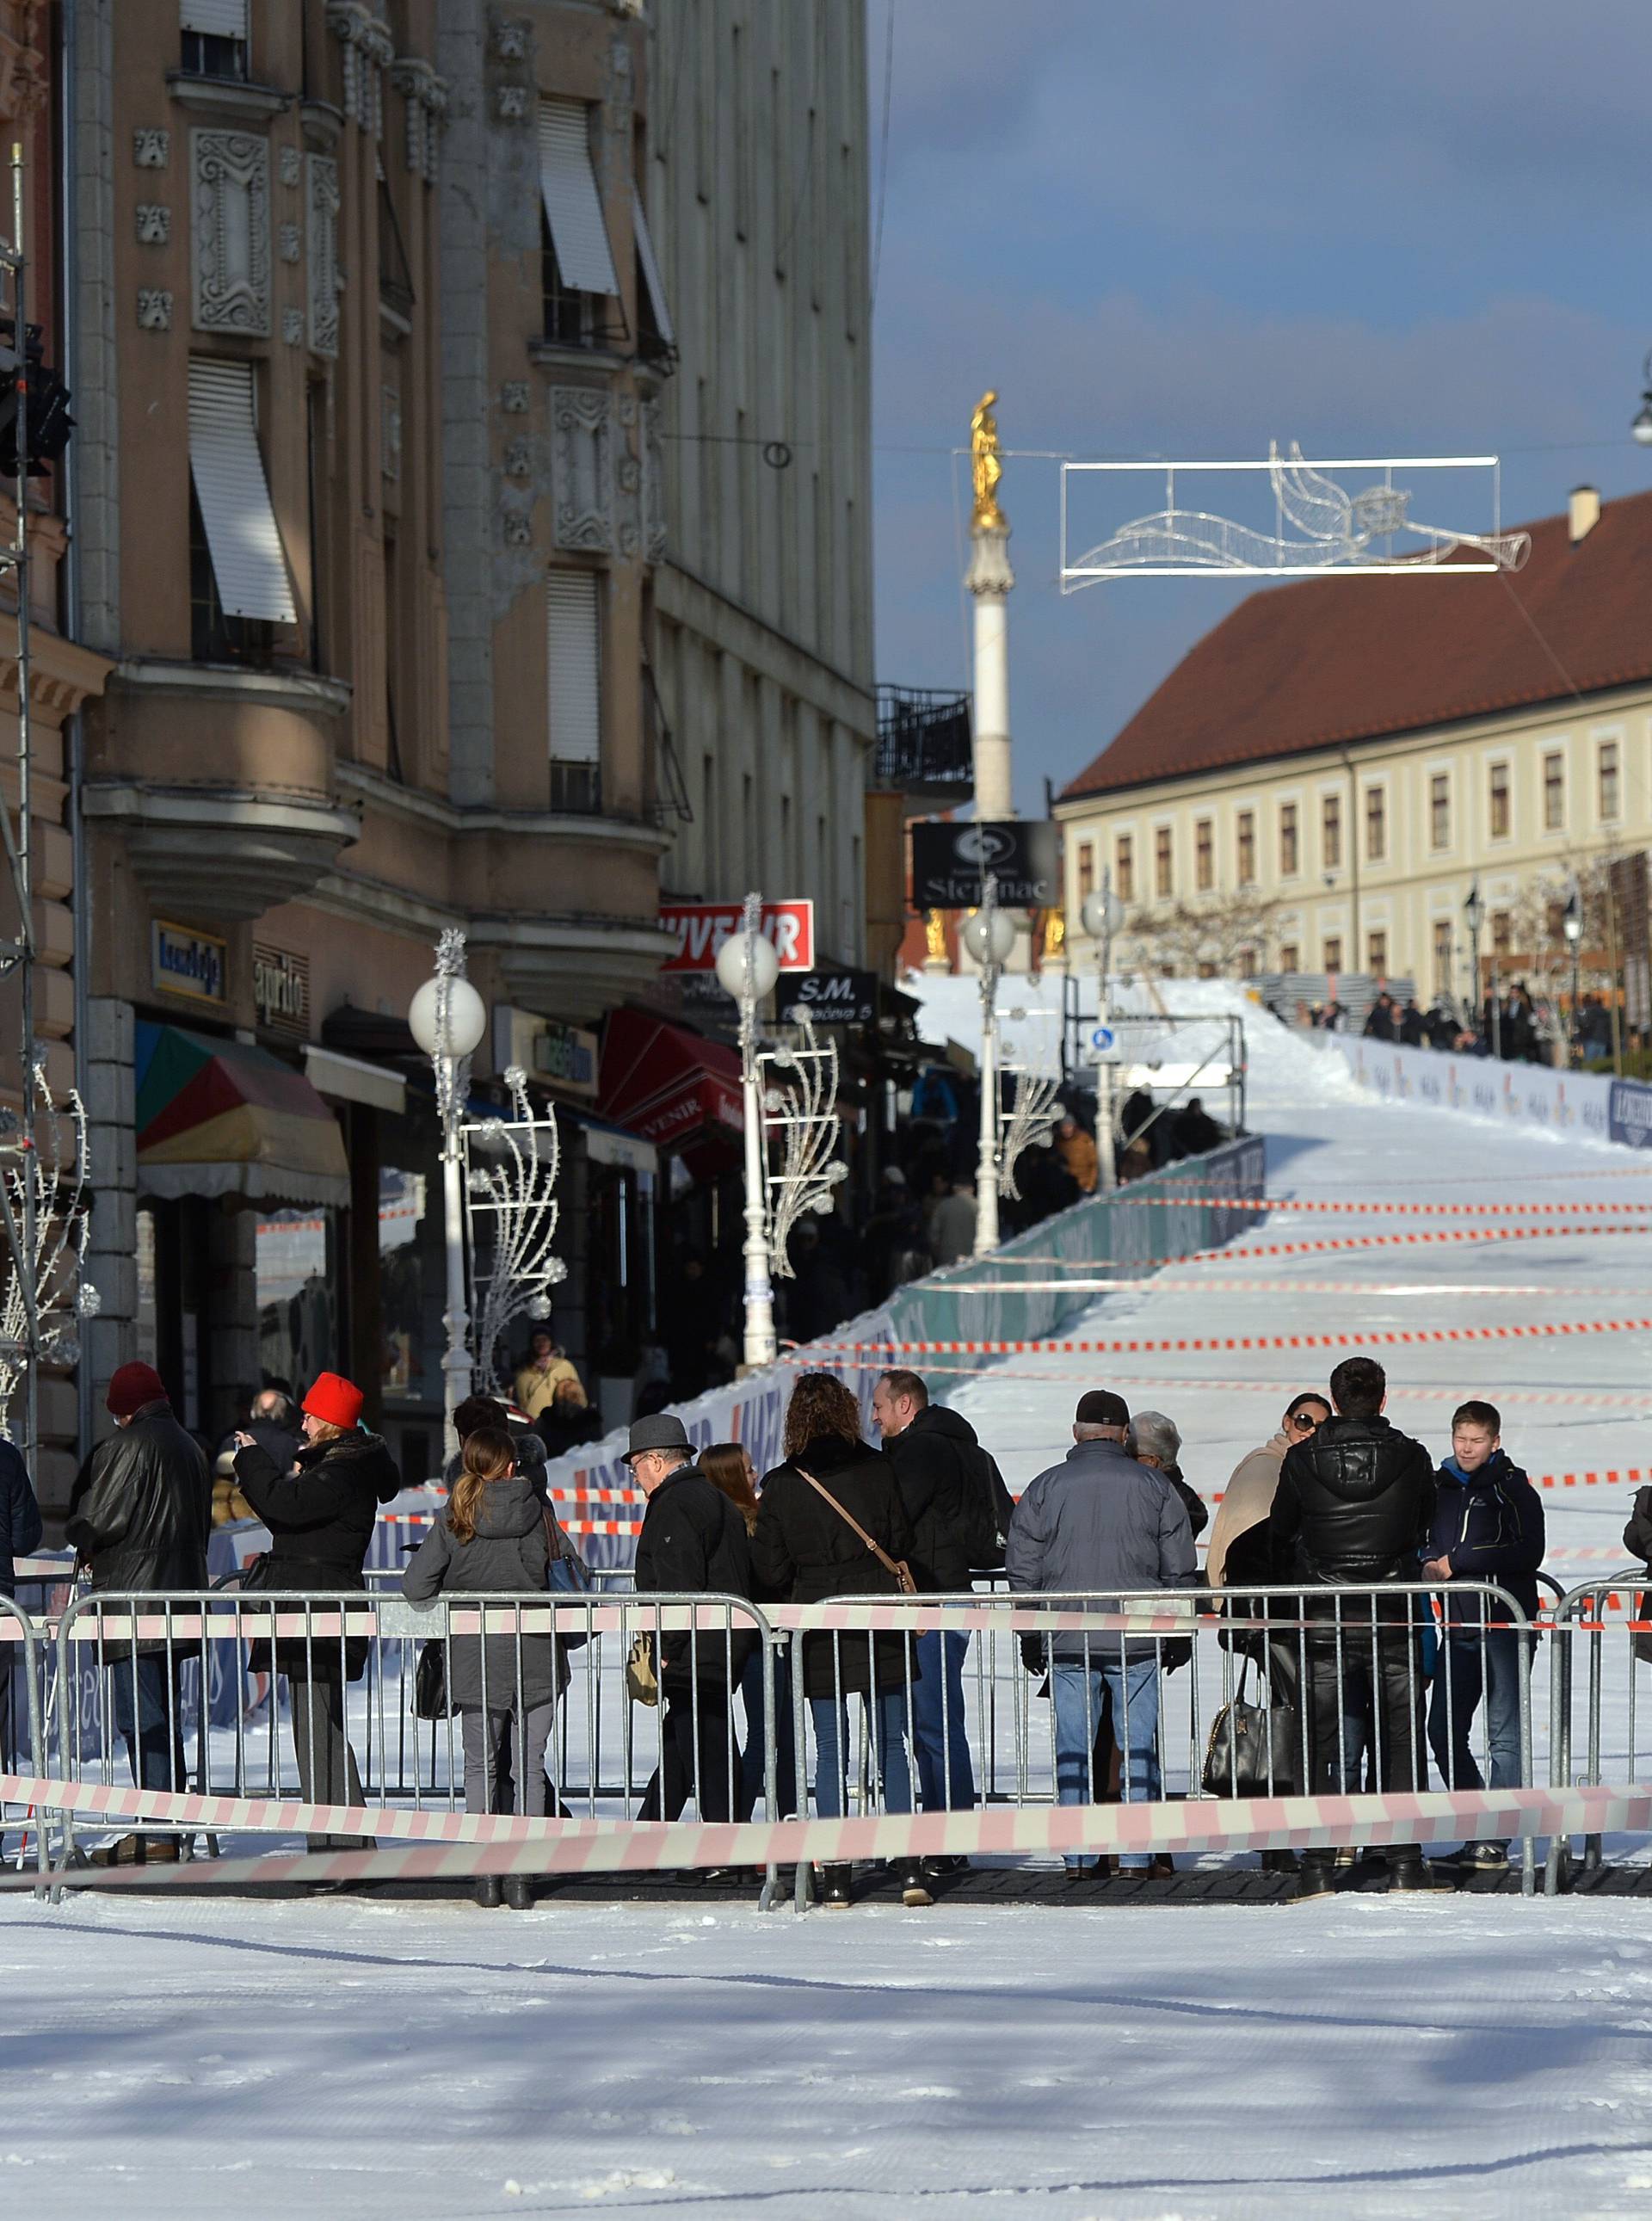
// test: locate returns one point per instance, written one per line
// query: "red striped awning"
(223, 1117)
(673, 1087)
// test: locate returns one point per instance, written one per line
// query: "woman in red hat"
(321, 1518)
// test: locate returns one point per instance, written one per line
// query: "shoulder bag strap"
(850, 1520)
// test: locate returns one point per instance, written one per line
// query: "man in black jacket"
(937, 1459)
(139, 1514)
(1353, 1509)
(693, 1543)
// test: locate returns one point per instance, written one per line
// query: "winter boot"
(1315, 1877)
(1413, 1872)
(914, 1889)
(519, 1892)
(833, 1883)
(489, 1891)
(1483, 1858)
(138, 1851)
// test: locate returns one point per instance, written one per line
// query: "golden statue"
(1055, 934)
(934, 935)
(986, 467)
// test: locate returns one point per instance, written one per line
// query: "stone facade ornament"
(288, 240)
(513, 397)
(518, 529)
(510, 40)
(292, 327)
(232, 233)
(426, 95)
(369, 50)
(152, 150)
(389, 431)
(510, 102)
(154, 310)
(154, 224)
(583, 468)
(293, 167)
(518, 459)
(321, 217)
(653, 486)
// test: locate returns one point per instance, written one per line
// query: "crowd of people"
(1512, 1024)
(1338, 1499)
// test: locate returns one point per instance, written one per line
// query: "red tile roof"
(1344, 658)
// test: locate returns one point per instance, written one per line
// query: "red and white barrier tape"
(436, 1846)
(1382, 1338)
(1242, 1252)
(1381, 1208)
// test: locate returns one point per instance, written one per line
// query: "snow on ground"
(1470, 2056)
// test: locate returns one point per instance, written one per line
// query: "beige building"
(763, 634)
(1324, 777)
(369, 500)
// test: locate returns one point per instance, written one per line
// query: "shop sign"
(281, 990)
(833, 998)
(184, 962)
(565, 1056)
(950, 861)
(701, 928)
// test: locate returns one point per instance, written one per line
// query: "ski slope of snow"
(1468, 2056)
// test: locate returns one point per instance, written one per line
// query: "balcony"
(925, 747)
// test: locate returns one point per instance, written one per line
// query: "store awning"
(668, 1084)
(221, 1118)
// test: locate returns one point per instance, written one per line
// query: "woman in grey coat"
(496, 1538)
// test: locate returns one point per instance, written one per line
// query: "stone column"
(989, 578)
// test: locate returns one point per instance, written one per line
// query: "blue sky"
(1182, 227)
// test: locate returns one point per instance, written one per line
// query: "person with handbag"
(693, 1543)
(831, 1523)
(728, 1466)
(496, 1538)
(321, 1516)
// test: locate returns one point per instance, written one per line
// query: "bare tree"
(1210, 932)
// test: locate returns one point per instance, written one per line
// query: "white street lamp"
(448, 1019)
(990, 938)
(747, 969)
(1640, 429)
(1102, 914)
(1572, 926)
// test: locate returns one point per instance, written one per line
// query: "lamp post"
(1640, 429)
(1572, 926)
(990, 937)
(747, 969)
(1101, 915)
(448, 1019)
(1474, 911)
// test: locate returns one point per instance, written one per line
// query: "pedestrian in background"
(728, 1466)
(321, 1516)
(139, 1514)
(535, 1384)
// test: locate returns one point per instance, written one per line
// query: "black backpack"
(988, 1508)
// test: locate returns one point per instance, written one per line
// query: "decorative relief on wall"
(583, 468)
(426, 95)
(232, 233)
(653, 485)
(291, 165)
(150, 150)
(154, 224)
(292, 326)
(322, 219)
(369, 50)
(154, 310)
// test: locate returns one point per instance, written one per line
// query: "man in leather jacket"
(1353, 1509)
(139, 1514)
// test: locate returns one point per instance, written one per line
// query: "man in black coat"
(1353, 1509)
(139, 1514)
(693, 1543)
(937, 1461)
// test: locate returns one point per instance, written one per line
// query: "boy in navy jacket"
(1487, 1526)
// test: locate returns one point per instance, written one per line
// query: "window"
(1376, 960)
(1555, 792)
(580, 284)
(1248, 962)
(1290, 956)
(1502, 932)
(1246, 825)
(215, 37)
(239, 586)
(1440, 811)
(1289, 858)
(1330, 831)
(1332, 958)
(1086, 869)
(1204, 856)
(1163, 868)
(1443, 954)
(656, 339)
(1497, 814)
(1610, 783)
(1376, 824)
(1124, 867)
(573, 692)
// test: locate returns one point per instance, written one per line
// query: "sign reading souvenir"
(833, 998)
(184, 962)
(701, 928)
(281, 990)
(949, 863)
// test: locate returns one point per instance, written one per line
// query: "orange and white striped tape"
(1246, 1253)
(1383, 1338)
(1381, 1207)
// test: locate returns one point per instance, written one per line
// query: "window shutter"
(574, 206)
(248, 561)
(574, 661)
(651, 270)
(221, 19)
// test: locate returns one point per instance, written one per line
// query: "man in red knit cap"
(139, 1514)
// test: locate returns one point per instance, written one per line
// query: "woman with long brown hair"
(496, 1538)
(728, 1466)
(805, 1548)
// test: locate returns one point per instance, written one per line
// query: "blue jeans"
(786, 1740)
(946, 1778)
(830, 1716)
(1457, 1690)
(147, 1716)
(1133, 1686)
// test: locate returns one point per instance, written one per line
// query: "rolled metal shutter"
(248, 561)
(574, 206)
(574, 660)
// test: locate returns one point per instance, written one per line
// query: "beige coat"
(536, 1387)
(1248, 1499)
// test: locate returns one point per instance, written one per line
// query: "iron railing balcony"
(925, 743)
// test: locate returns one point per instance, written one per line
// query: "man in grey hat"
(693, 1543)
(1100, 1524)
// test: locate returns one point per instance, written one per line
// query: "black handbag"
(430, 1681)
(1254, 1749)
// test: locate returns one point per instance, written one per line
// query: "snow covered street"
(1380, 2057)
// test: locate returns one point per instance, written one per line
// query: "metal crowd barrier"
(1586, 1613)
(21, 1731)
(1072, 1699)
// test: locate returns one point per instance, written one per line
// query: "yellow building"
(1323, 778)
